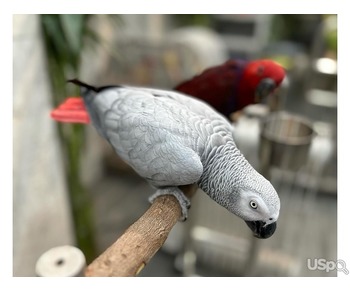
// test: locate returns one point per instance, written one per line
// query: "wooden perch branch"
(133, 250)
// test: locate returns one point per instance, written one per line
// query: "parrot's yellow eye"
(253, 204)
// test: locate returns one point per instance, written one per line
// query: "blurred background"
(71, 188)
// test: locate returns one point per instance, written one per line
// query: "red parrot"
(228, 88)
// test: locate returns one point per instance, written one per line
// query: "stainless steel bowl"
(285, 141)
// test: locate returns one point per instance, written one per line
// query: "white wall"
(41, 214)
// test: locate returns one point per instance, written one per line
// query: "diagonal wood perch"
(134, 249)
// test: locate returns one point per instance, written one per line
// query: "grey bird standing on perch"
(171, 140)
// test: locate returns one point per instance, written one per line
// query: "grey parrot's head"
(234, 184)
(259, 207)
(259, 211)
(252, 198)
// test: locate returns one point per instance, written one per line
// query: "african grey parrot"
(172, 139)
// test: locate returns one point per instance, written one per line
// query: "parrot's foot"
(179, 195)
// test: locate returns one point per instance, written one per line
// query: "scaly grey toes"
(179, 195)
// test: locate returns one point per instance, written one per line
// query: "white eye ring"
(253, 204)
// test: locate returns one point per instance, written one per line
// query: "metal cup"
(285, 141)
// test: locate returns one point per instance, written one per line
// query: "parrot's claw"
(179, 195)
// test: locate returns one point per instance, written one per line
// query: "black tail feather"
(80, 83)
(90, 87)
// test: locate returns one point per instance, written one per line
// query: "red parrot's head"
(262, 77)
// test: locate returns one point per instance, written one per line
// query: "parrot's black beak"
(265, 87)
(260, 229)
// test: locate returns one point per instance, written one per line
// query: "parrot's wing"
(217, 85)
(151, 133)
(197, 106)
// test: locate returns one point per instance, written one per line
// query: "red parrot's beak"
(264, 89)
